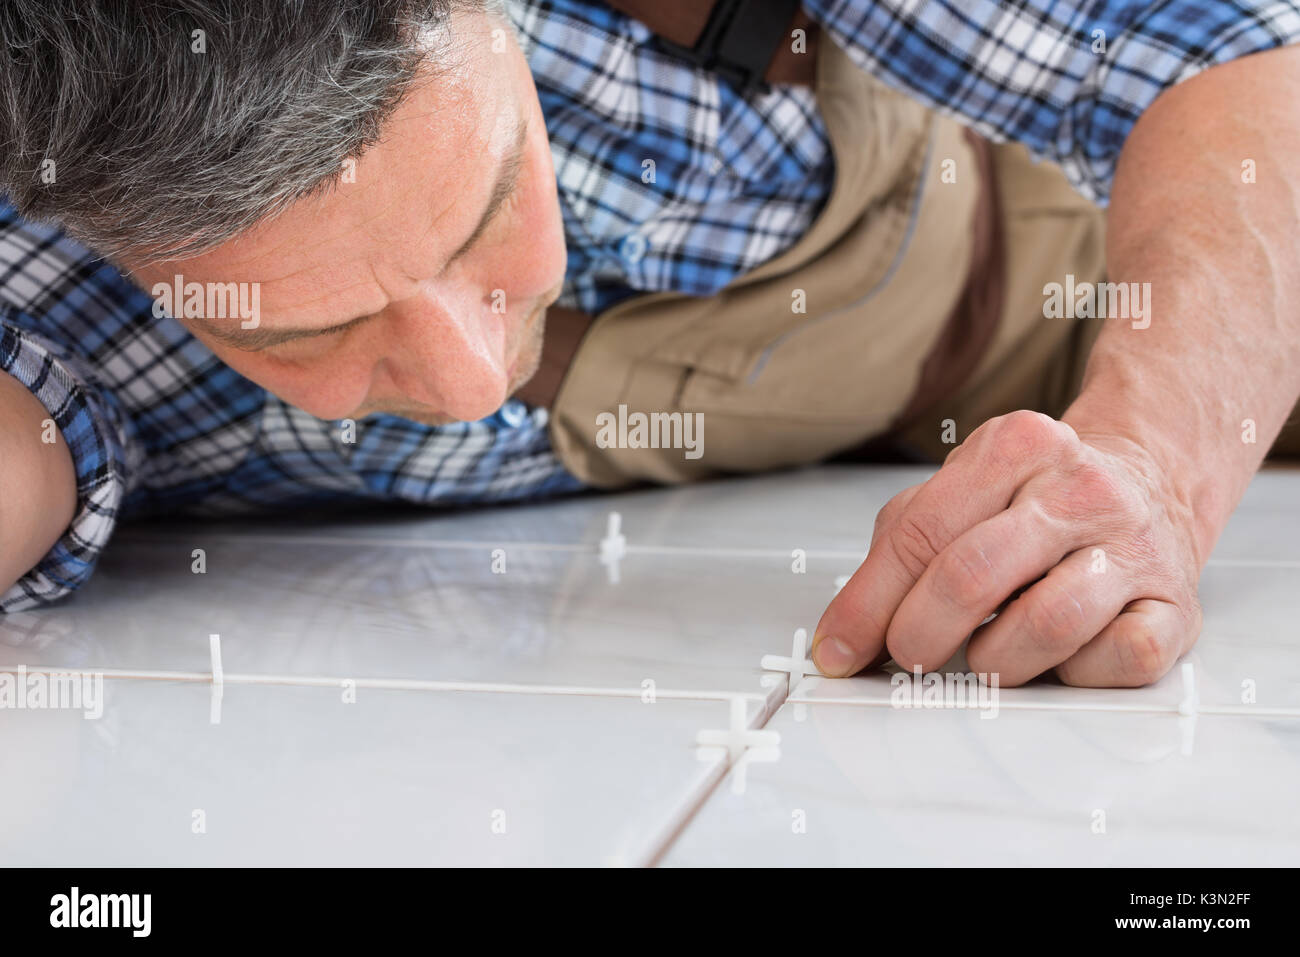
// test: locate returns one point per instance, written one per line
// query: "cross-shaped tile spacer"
(613, 546)
(796, 666)
(218, 679)
(738, 737)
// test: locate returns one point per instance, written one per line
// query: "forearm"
(1223, 260)
(38, 490)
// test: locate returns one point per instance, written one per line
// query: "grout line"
(1248, 710)
(663, 837)
(491, 687)
(388, 684)
(681, 816)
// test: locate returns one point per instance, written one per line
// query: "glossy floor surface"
(485, 687)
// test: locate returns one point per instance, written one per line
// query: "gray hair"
(115, 127)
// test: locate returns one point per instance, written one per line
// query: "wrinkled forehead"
(393, 213)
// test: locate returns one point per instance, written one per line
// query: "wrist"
(1191, 482)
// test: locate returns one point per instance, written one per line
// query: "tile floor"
(472, 688)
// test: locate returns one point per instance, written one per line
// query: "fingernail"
(834, 658)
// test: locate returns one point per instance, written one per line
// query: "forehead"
(396, 214)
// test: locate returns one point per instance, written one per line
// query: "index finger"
(967, 490)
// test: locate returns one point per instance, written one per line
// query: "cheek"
(329, 385)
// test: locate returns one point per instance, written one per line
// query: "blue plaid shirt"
(158, 424)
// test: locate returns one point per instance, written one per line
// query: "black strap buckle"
(739, 41)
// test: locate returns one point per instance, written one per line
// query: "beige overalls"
(907, 303)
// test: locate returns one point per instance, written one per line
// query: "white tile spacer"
(796, 666)
(738, 737)
(218, 679)
(613, 546)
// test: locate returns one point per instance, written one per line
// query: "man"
(305, 255)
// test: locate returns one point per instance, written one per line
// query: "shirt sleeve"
(94, 427)
(1067, 78)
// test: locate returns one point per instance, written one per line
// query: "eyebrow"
(506, 182)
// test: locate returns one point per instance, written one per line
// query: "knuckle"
(916, 541)
(964, 575)
(1145, 655)
(890, 511)
(883, 519)
(1037, 516)
(1024, 434)
(1053, 616)
(1092, 488)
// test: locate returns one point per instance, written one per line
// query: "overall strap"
(747, 42)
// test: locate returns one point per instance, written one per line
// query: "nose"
(450, 353)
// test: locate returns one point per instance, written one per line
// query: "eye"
(307, 346)
(319, 343)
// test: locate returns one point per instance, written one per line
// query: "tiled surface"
(294, 775)
(888, 787)
(687, 621)
(530, 682)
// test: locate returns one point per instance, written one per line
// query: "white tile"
(689, 622)
(1250, 642)
(886, 787)
(293, 776)
(827, 508)
(1245, 601)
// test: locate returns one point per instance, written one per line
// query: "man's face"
(420, 289)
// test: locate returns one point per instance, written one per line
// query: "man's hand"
(1085, 525)
(1108, 519)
